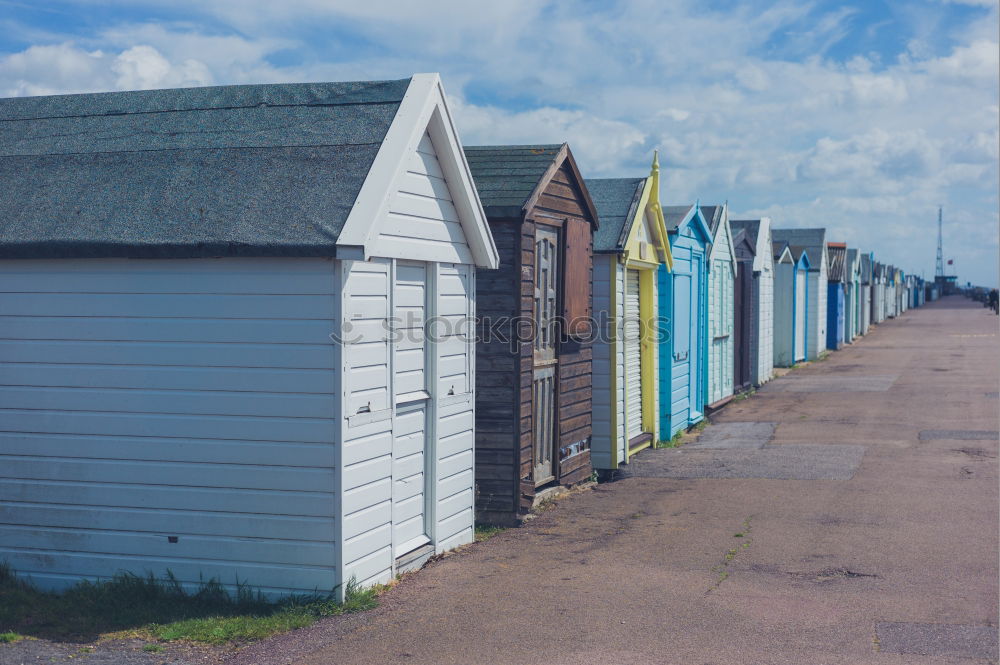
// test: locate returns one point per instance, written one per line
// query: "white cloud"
(807, 140)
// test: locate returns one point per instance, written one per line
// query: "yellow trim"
(647, 347)
(647, 350)
(613, 365)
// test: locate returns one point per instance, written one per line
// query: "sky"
(859, 117)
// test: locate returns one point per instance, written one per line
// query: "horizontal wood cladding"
(504, 409)
(497, 426)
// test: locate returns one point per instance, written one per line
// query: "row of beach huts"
(294, 335)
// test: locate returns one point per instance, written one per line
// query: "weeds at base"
(486, 531)
(162, 610)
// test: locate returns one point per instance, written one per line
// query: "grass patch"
(152, 648)
(676, 440)
(10, 637)
(487, 531)
(745, 395)
(163, 610)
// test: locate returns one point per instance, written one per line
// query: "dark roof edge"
(203, 98)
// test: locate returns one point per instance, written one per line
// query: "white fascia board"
(764, 252)
(423, 109)
(724, 228)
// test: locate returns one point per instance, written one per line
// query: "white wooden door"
(409, 431)
(801, 294)
(633, 363)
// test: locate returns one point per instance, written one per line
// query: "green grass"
(162, 610)
(152, 648)
(487, 531)
(9, 637)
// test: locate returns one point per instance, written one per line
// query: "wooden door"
(697, 338)
(632, 339)
(410, 475)
(801, 315)
(543, 390)
(742, 310)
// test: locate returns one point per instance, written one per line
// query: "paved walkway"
(862, 529)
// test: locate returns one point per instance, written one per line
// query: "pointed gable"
(422, 219)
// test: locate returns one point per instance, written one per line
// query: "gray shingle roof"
(866, 269)
(674, 215)
(506, 175)
(617, 201)
(778, 248)
(812, 240)
(751, 227)
(713, 215)
(256, 170)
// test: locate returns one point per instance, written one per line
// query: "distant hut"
(814, 242)
(754, 251)
(852, 282)
(836, 300)
(866, 292)
(791, 304)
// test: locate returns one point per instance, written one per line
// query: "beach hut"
(792, 304)
(889, 301)
(866, 292)
(721, 284)
(683, 300)
(534, 408)
(877, 292)
(758, 234)
(814, 242)
(852, 284)
(629, 248)
(836, 301)
(213, 355)
(744, 332)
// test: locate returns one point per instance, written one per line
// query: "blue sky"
(861, 117)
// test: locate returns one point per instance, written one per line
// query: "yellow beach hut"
(629, 248)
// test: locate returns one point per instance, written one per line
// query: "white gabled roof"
(424, 109)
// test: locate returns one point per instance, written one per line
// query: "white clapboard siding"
(367, 555)
(633, 363)
(422, 222)
(169, 415)
(765, 320)
(817, 309)
(454, 482)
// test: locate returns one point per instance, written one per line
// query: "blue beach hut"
(792, 307)
(683, 305)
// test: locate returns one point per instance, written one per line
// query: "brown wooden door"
(545, 426)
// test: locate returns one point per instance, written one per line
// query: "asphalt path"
(846, 513)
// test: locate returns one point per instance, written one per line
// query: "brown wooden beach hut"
(533, 416)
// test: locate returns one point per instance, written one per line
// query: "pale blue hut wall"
(784, 321)
(720, 314)
(683, 302)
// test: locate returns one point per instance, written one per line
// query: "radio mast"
(940, 250)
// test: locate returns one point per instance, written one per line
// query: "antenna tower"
(940, 251)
